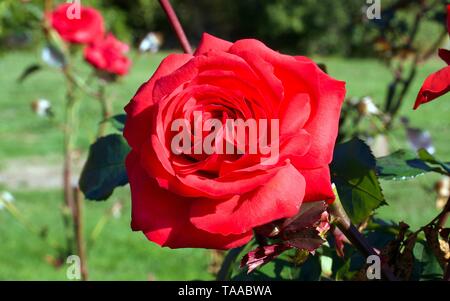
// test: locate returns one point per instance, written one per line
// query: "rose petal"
(274, 200)
(318, 184)
(448, 18)
(435, 85)
(137, 127)
(444, 54)
(164, 217)
(301, 75)
(294, 113)
(296, 145)
(209, 42)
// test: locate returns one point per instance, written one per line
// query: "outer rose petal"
(436, 84)
(294, 113)
(281, 197)
(444, 54)
(209, 42)
(323, 122)
(137, 127)
(164, 217)
(318, 184)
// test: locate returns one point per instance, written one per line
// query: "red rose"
(438, 83)
(82, 29)
(214, 201)
(108, 55)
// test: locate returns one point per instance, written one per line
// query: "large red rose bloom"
(215, 201)
(83, 30)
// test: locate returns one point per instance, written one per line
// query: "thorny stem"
(72, 195)
(344, 224)
(173, 19)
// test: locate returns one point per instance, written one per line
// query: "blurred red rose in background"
(438, 83)
(85, 29)
(108, 54)
(215, 201)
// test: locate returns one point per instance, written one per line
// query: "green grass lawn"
(120, 253)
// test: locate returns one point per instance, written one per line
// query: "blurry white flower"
(42, 107)
(379, 145)
(5, 197)
(116, 210)
(442, 188)
(151, 43)
(367, 107)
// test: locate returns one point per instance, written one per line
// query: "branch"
(79, 232)
(354, 236)
(173, 19)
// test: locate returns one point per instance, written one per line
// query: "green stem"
(69, 127)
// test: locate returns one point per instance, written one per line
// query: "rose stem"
(68, 145)
(354, 236)
(79, 232)
(173, 19)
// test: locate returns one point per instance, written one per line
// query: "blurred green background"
(30, 146)
(328, 27)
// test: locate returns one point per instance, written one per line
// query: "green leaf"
(429, 158)
(401, 165)
(344, 273)
(29, 71)
(118, 121)
(311, 269)
(426, 265)
(354, 173)
(105, 167)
